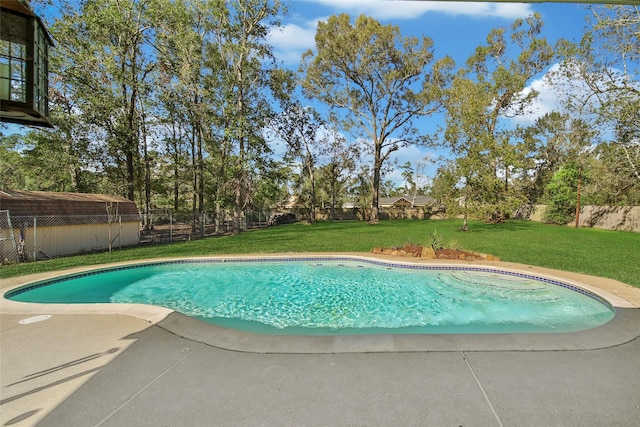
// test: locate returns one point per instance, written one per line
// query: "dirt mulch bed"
(446, 253)
(416, 251)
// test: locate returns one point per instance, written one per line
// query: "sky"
(456, 29)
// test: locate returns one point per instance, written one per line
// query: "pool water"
(326, 297)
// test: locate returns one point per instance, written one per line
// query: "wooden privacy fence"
(359, 214)
(618, 218)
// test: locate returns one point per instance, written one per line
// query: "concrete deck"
(99, 368)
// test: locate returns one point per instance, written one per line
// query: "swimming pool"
(333, 296)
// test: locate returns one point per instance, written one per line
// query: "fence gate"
(8, 245)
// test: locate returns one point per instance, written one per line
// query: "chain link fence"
(165, 226)
(32, 238)
(8, 242)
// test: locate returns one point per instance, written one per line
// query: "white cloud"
(509, 10)
(553, 88)
(296, 37)
(548, 99)
(292, 40)
(394, 9)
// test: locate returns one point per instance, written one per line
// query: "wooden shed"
(50, 224)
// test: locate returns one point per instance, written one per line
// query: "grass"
(611, 254)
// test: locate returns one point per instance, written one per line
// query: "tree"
(407, 175)
(300, 128)
(220, 79)
(271, 186)
(601, 79)
(379, 77)
(445, 188)
(189, 77)
(106, 67)
(341, 158)
(611, 183)
(415, 178)
(553, 141)
(59, 159)
(562, 194)
(14, 174)
(490, 88)
(249, 81)
(359, 189)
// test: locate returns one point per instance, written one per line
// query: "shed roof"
(48, 203)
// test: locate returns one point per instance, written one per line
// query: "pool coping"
(624, 327)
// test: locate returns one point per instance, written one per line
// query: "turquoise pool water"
(327, 297)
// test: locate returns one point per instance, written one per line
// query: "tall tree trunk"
(176, 171)
(225, 148)
(219, 218)
(77, 183)
(333, 191)
(465, 226)
(132, 130)
(312, 181)
(377, 165)
(200, 172)
(147, 174)
(194, 181)
(577, 224)
(237, 209)
(240, 177)
(131, 188)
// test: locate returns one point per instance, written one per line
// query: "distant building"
(50, 224)
(350, 205)
(406, 202)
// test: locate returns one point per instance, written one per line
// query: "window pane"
(18, 70)
(5, 48)
(18, 91)
(18, 50)
(5, 83)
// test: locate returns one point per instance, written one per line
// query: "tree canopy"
(382, 79)
(173, 104)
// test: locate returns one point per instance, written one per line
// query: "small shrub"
(436, 240)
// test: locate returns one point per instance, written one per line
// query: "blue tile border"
(47, 282)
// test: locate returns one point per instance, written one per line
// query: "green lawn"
(601, 253)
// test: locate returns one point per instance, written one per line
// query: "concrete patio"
(98, 369)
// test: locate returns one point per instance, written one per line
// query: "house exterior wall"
(53, 241)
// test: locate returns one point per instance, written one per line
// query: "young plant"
(437, 241)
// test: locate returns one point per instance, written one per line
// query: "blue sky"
(456, 28)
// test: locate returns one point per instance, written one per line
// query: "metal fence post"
(35, 239)
(170, 228)
(120, 232)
